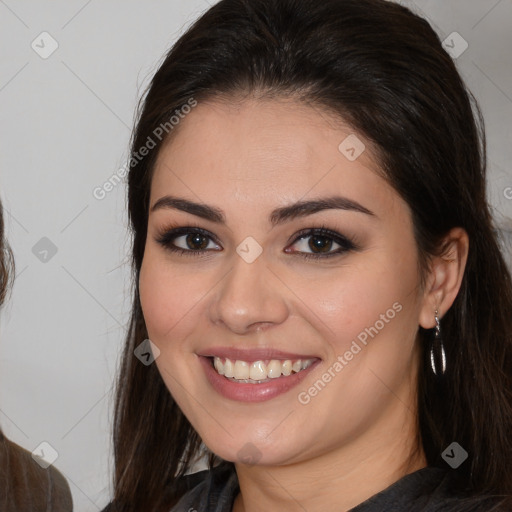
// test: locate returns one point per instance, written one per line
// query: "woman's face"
(318, 328)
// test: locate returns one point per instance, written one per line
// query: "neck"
(338, 480)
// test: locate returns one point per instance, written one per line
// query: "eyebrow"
(277, 216)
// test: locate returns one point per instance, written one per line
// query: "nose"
(249, 298)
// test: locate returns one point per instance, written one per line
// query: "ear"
(445, 277)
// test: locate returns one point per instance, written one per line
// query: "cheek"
(167, 296)
(377, 299)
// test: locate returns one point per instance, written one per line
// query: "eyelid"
(317, 231)
(346, 243)
(171, 232)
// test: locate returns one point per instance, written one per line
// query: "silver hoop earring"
(437, 353)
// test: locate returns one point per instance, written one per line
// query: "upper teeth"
(259, 370)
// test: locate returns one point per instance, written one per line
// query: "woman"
(25, 486)
(316, 267)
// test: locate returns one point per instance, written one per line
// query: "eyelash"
(166, 237)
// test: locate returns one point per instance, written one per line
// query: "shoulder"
(213, 489)
(452, 496)
(480, 503)
(26, 486)
(430, 489)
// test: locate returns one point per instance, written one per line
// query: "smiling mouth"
(258, 372)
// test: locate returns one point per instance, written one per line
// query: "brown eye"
(196, 241)
(321, 243)
(189, 241)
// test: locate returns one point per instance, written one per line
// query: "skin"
(356, 436)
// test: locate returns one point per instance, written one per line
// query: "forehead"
(267, 152)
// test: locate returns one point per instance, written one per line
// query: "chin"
(249, 450)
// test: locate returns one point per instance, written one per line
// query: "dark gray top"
(425, 490)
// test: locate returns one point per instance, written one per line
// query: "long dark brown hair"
(383, 70)
(6, 261)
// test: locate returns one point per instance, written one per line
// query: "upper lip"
(251, 355)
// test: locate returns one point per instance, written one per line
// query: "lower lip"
(244, 392)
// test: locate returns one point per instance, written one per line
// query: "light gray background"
(64, 130)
